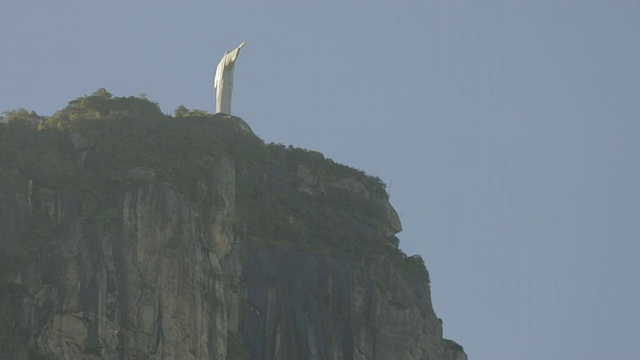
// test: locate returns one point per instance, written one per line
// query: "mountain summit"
(126, 233)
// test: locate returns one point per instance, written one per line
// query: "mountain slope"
(130, 234)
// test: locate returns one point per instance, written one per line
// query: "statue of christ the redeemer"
(223, 82)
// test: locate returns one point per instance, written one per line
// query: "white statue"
(223, 82)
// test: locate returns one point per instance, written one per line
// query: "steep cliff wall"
(279, 256)
(308, 306)
(149, 287)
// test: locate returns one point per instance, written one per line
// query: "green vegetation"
(20, 115)
(182, 112)
(121, 133)
(78, 150)
(413, 265)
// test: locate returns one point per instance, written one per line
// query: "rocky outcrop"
(237, 124)
(308, 306)
(142, 279)
(309, 183)
(141, 271)
(150, 287)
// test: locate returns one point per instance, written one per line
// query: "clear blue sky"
(507, 132)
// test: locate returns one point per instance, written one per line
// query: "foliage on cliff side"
(77, 151)
(121, 133)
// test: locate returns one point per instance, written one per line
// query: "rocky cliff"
(129, 234)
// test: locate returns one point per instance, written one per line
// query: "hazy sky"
(507, 132)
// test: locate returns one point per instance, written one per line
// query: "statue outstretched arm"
(228, 59)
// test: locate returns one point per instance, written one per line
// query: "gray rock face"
(133, 176)
(308, 306)
(236, 123)
(153, 276)
(12, 214)
(309, 183)
(152, 288)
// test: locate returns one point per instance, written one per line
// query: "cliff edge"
(129, 234)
